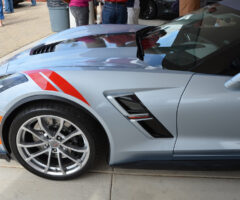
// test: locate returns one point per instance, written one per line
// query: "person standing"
(8, 6)
(133, 9)
(187, 6)
(80, 11)
(34, 3)
(114, 12)
(1, 14)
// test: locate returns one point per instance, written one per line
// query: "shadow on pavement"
(20, 21)
(203, 165)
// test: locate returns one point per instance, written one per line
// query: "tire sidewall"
(73, 117)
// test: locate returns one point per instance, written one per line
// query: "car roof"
(231, 3)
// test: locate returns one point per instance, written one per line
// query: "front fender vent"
(135, 111)
(44, 48)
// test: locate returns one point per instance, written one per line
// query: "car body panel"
(91, 30)
(85, 57)
(93, 61)
(208, 117)
(120, 138)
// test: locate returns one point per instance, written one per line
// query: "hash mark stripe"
(50, 80)
(40, 81)
(64, 85)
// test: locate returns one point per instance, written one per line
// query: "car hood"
(91, 30)
(90, 47)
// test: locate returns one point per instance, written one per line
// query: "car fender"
(24, 96)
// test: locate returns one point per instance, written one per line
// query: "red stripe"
(65, 86)
(139, 117)
(40, 81)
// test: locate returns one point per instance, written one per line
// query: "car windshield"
(190, 39)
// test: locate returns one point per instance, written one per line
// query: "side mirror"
(233, 83)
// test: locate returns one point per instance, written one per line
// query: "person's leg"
(122, 14)
(187, 6)
(11, 6)
(95, 3)
(81, 15)
(33, 2)
(1, 13)
(74, 11)
(136, 15)
(109, 14)
(133, 15)
(130, 12)
(7, 8)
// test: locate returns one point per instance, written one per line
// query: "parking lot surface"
(167, 180)
(182, 181)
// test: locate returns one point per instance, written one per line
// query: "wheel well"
(99, 131)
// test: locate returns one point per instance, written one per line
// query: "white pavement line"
(165, 175)
(7, 166)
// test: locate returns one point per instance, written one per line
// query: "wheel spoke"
(60, 162)
(70, 157)
(71, 136)
(74, 148)
(60, 128)
(36, 155)
(48, 161)
(31, 144)
(42, 127)
(37, 135)
(61, 135)
(52, 145)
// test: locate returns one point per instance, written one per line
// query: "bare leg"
(187, 6)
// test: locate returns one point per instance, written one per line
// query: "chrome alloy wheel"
(53, 145)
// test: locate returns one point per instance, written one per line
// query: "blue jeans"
(114, 13)
(9, 6)
(1, 10)
(33, 2)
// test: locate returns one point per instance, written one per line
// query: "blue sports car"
(146, 93)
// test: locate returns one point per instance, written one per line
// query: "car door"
(209, 112)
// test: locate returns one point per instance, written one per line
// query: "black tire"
(150, 11)
(59, 111)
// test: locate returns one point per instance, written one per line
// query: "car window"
(225, 62)
(193, 39)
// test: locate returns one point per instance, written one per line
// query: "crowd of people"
(121, 11)
(114, 11)
(9, 8)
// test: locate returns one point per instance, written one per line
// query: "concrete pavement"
(167, 181)
(107, 183)
(27, 24)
